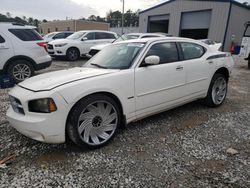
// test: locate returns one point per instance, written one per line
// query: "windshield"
(247, 31)
(50, 35)
(126, 37)
(117, 56)
(76, 35)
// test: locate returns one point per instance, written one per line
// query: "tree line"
(24, 20)
(114, 18)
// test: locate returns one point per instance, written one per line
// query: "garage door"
(195, 24)
(158, 23)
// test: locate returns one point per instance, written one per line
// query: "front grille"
(16, 105)
(93, 52)
(50, 47)
(51, 53)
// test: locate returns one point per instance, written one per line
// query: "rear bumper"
(44, 65)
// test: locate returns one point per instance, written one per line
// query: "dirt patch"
(189, 123)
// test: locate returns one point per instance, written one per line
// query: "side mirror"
(84, 39)
(152, 60)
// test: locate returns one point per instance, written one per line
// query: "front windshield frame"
(126, 37)
(247, 31)
(77, 35)
(107, 53)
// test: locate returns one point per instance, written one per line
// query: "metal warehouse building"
(219, 20)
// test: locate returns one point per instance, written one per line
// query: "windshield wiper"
(99, 66)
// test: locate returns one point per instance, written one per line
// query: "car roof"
(11, 25)
(165, 39)
(148, 34)
(97, 31)
(144, 40)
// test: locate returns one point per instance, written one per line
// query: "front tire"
(19, 70)
(73, 54)
(93, 121)
(217, 91)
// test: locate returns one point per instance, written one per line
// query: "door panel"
(157, 85)
(198, 68)
(6, 50)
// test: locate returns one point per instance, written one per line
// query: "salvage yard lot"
(184, 146)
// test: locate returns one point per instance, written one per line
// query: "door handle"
(179, 68)
(210, 62)
(3, 48)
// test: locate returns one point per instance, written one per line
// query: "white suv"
(22, 51)
(79, 43)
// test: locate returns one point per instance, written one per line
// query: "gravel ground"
(184, 147)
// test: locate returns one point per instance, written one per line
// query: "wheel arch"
(224, 71)
(71, 47)
(18, 57)
(109, 94)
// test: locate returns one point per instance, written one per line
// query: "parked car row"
(95, 49)
(122, 82)
(24, 51)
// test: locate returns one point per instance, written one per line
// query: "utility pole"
(123, 2)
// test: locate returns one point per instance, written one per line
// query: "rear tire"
(93, 121)
(19, 70)
(73, 54)
(217, 91)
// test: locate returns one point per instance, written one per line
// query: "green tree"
(31, 21)
(92, 18)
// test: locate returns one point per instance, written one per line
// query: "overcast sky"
(60, 9)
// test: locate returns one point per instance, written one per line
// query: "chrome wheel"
(219, 90)
(21, 72)
(97, 123)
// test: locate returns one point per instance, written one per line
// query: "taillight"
(43, 44)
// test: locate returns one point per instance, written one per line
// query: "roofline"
(73, 20)
(225, 1)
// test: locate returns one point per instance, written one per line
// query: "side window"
(67, 34)
(1, 39)
(100, 35)
(59, 36)
(90, 36)
(150, 36)
(26, 34)
(167, 52)
(191, 50)
(109, 36)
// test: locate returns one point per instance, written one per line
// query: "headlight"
(42, 105)
(60, 45)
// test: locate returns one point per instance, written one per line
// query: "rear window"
(191, 50)
(1, 39)
(26, 34)
(110, 36)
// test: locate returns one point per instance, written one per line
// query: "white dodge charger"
(125, 82)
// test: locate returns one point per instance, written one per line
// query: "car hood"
(100, 46)
(52, 80)
(61, 41)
